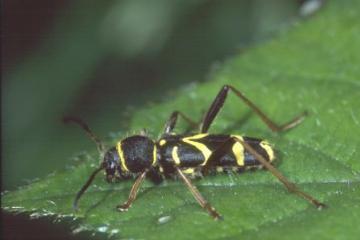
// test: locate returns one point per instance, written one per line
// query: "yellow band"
(268, 149)
(154, 155)
(238, 150)
(200, 146)
(175, 155)
(121, 155)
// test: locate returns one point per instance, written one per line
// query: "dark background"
(100, 60)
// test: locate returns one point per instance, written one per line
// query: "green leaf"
(315, 67)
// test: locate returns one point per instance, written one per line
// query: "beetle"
(189, 155)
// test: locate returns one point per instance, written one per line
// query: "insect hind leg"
(289, 185)
(220, 99)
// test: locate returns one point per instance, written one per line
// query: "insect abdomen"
(196, 150)
(260, 146)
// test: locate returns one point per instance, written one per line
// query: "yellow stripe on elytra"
(270, 152)
(154, 155)
(238, 150)
(175, 155)
(200, 146)
(121, 155)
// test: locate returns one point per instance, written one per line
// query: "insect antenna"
(84, 126)
(86, 185)
(101, 149)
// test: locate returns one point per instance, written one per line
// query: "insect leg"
(219, 102)
(170, 124)
(197, 195)
(132, 196)
(289, 185)
(154, 175)
(218, 153)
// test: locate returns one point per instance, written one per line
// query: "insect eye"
(110, 167)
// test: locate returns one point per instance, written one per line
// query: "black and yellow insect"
(189, 154)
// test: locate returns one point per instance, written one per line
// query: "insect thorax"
(137, 153)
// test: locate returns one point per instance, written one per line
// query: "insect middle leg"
(219, 101)
(197, 195)
(171, 122)
(133, 192)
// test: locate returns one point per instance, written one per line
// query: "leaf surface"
(314, 67)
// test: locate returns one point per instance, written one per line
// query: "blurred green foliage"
(99, 58)
(314, 67)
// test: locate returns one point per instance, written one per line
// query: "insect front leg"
(197, 195)
(289, 185)
(219, 101)
(171, 122)
(133, 192)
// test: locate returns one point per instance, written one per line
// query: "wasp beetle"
(189, 155)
